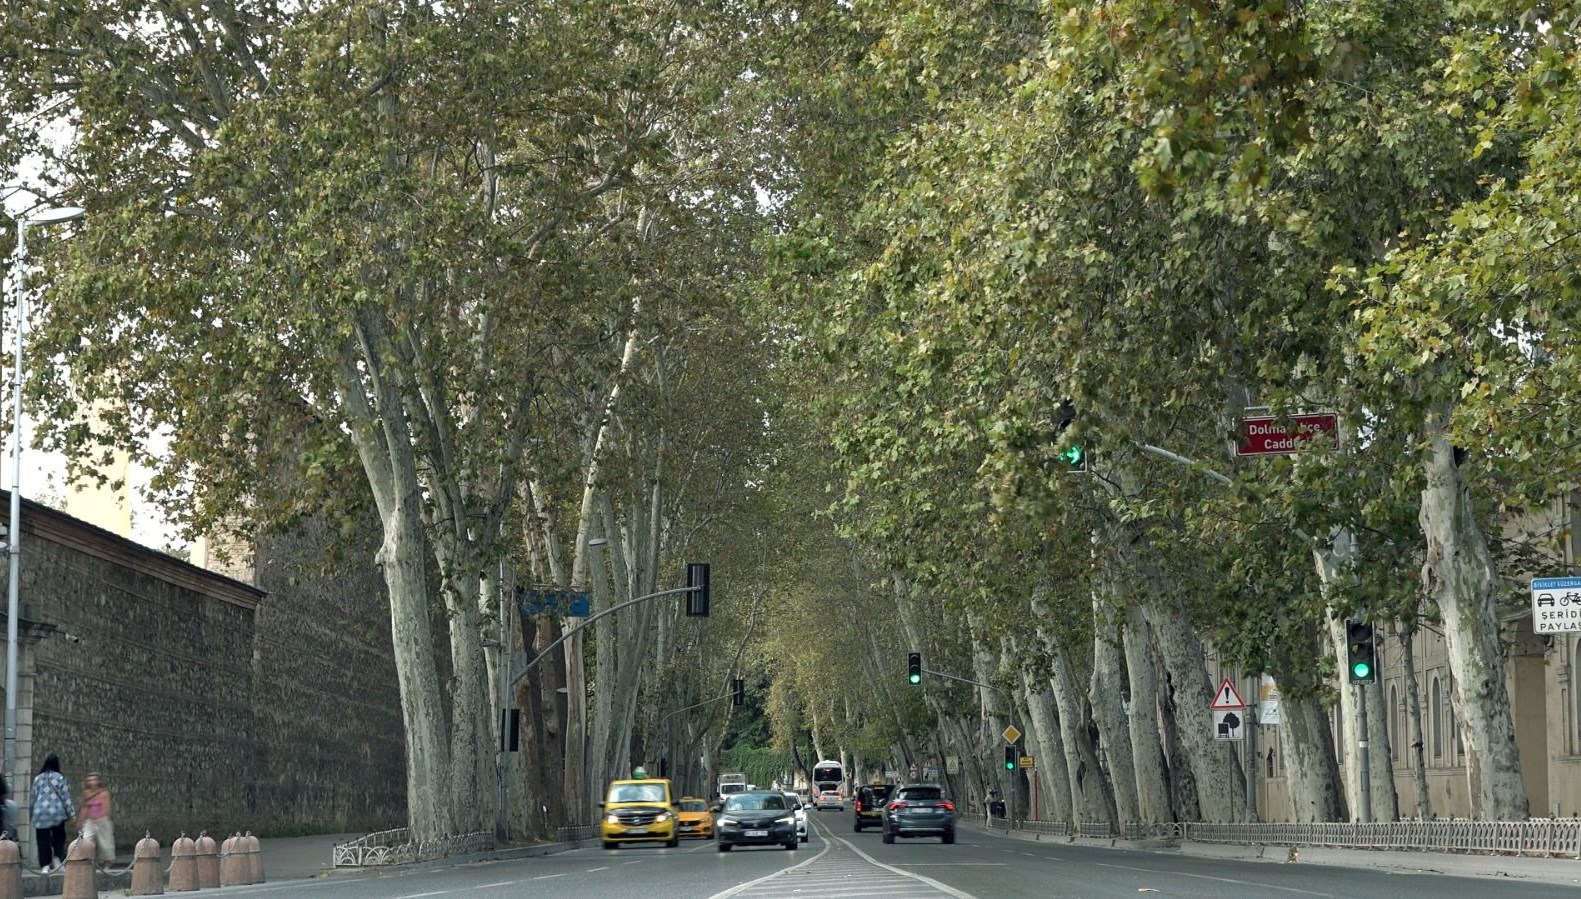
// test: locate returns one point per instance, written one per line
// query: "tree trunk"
(1054, 779)
(1459, 575)
(1091, 796)
(1214, 771)
(1147, 745)
(1413, 714)
(1106, 697)
(1306, 744)
(1182, 782)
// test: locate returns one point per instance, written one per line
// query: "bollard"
(82, 881)
(10, 870)
(147, 879)
(183, 865)
(234, 869)
(254, 857)
(208, 854)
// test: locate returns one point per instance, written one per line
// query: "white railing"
(395, 847)
(1538, 836)
(1560, 837)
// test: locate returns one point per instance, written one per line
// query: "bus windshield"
(828, 772)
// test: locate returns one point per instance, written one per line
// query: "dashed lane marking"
(841, 871)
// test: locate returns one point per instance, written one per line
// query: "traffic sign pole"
(1362, 761)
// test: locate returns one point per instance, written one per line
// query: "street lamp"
(49, 215)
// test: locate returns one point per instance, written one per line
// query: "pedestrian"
(6, 806)
(51, 808)
(95, 826)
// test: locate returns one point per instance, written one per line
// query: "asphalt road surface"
(839, 864)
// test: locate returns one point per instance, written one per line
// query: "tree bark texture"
(1147, 745)
(1459, 575)
(1413, 713)
(1107, 701)
(1214, 771)
(1054, 774)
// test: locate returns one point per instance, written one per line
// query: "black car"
(919, 810)
(759, 818)
(870, 802)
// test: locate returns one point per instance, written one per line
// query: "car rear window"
(879, 794)
(922, 793)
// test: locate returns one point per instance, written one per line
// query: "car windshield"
(921, 793)
(694, 805)
(636, 793)
(792, 800)
(755, 802)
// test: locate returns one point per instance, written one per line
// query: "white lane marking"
(955, 865)
(1244, 883)
(591, 870)
(548, 877)
(941, 887)
(743, 887)
(419, 895)
(503, 883)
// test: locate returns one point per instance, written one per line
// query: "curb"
(505, 853)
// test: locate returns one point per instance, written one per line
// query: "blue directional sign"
(536, 601)
(1556, 604)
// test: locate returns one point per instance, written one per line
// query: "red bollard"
(147, 878)
(82, 881)
(208, 854)
(234, 868)
(183, 865)
(10, 870)
(254, 857)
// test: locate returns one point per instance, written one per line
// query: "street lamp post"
(44, 216)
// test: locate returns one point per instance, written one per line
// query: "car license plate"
(757, 833)
(636, 830)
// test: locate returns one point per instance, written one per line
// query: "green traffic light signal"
(1361, 671)
(1075, 457)
(1010, 757)
(914, 668)
(916, 678)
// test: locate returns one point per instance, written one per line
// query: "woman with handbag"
(50, 809)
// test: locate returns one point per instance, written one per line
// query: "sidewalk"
(1563, 871)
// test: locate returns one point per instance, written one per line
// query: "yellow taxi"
(696, 818)
(640, 810)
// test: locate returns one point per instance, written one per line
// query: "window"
(1436, 710)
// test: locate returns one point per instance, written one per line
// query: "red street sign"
(1265, 435)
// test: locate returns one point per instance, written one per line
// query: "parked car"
(870, 802)
(919, 810)
(756, 819)
(800, 808)
(696, 818)
(641, 810)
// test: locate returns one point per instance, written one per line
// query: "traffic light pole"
(1362, 761)
(695, 705)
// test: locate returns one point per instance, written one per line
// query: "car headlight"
(788, 819)
(611, 819)
(663, 816)
(727, 821)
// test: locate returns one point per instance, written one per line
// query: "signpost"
(1229, 724)
(952, 764)
(1027, 762)
(1556, 605)
(1266, 435)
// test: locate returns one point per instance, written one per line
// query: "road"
(839, 864)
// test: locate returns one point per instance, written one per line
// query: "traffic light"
(1362, 652)
(1075, 458)
(738, 692)
(1010, 757)
(914, 668)
(697, 587)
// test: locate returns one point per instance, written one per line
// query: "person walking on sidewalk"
(50, 809)
(95, 826)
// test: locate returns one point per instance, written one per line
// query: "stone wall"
(331, 738)
(207, 702)
(143, 672)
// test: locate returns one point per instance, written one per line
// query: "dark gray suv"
(919, 810)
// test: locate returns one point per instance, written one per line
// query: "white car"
(801, 814)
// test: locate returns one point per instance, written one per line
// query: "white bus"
(828, 785)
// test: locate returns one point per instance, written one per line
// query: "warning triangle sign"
(1227, 698)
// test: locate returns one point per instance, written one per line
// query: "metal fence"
(396, 847)
(575, 833)
(1538, 836)
(1560, 837)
